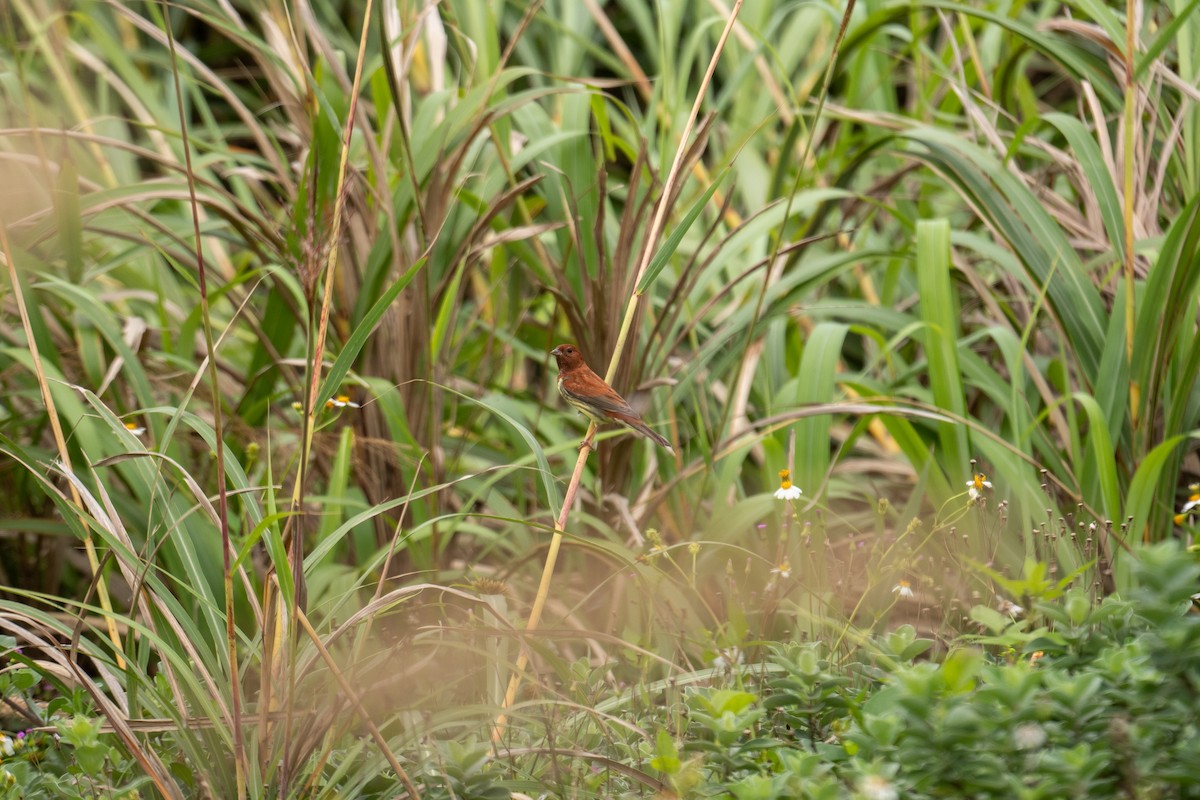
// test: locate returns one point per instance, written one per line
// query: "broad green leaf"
(939, 310)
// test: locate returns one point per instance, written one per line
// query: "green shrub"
(1098, 703)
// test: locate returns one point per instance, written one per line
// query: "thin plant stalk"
(539, 600)
(356, 701)
(660, 213)
(239, 739)
(1130, 132)
(296, 549)
(60, 442)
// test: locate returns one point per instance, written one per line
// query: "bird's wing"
(591, 389)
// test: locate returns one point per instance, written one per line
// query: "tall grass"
(966, 246)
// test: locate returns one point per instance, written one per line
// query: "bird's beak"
(555, 352)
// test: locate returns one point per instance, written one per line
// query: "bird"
(595, 399)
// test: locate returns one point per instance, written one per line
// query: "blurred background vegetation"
(909, 243)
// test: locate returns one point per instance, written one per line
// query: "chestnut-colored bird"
(595, 399)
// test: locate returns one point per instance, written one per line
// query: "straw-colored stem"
(60, 441)
(231, 639)
(356, 701)
(539, 600)
(660, 212)
(312, 404)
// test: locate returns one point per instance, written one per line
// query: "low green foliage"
(1099, 704)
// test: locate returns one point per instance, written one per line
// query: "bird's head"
(567, 356)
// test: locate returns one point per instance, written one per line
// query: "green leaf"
(1166, 36)
(816, 376)
(1099, 179)
(939, 311)
(961, 668)
(1099, 467)
(1142, 495)
(666, 755)
(362, 331)
(730, 701)
(70, 219)
(671, 244)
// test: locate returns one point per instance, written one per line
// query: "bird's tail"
(652, 435)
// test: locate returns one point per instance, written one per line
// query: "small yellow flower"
(1189, 508)
(341, 401)
(977, 484)
(903, 589)
(134, 428)
(784, 570)
(786, 490)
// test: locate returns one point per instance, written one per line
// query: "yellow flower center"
(980, 478)
(785, 479)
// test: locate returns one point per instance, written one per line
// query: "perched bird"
(594, 398)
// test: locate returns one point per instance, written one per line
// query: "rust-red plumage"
(595, 399)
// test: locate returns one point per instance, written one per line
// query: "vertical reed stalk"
(660, 214)
(239, 739)
(1127, 142)
(60, 442)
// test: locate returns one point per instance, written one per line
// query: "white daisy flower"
(1011, 608)
(786, 490)
(1189, 508)
(728, 658)
(977, 484)
(341, 401)
(877, 787)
